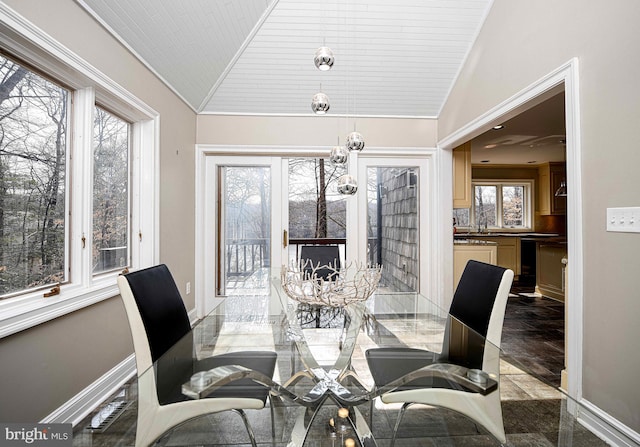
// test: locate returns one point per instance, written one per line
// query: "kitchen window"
(498, 205)
(78, 181)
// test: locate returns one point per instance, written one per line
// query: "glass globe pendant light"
(324, 59)
(347, 185)
(355, 142)
(339, 155)
(320, 103)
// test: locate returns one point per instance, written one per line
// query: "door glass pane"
(513, 206)
(485, 206)
(392, 225)
(247, 227)
(317, 212)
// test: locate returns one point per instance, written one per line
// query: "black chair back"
(312, 256)
(161, 307)
(472, 305)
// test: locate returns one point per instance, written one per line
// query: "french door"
(242, 219)
(258, 210)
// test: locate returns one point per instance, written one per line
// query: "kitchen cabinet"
(462, 176)
(550, 269)
(508, 251)
(467, 250)
(550, 176)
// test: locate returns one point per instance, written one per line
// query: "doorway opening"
(517, 203)
(563, 79)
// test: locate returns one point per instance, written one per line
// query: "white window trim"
(25, 40)
(529, 210)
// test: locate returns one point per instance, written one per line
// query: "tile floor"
(533, 409)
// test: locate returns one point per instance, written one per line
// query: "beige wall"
(314, 131)
(45, 366)
(521, 42)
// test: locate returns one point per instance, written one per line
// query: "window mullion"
(499, 197)
(82, 169)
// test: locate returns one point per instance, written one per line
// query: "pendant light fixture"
(339, 155)
(320, 103)
(324, 58)
(355, 142)
(347, 185)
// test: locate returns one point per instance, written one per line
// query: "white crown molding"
(311, 115)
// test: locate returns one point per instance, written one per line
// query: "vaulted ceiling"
(393, 57)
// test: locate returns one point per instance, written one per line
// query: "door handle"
(285, 238)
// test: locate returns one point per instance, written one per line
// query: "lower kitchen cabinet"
(462, 253)
(508, 251)
(550, 266)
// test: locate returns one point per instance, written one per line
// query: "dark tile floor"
(534, 411)
(533, 336)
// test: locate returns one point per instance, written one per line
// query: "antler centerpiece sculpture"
(326, 285)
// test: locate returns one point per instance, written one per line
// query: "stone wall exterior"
(399, 244)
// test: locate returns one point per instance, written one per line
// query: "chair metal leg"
(243, 415)
(273, 424)
(371, 407)
(400, 415)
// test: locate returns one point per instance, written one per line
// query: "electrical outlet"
(625, 220)
(188, 287)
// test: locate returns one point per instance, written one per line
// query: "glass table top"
(321, 367)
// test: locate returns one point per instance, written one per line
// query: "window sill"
(29, 310)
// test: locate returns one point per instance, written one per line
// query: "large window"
(34, 124)
(498, 205)
(78, 189)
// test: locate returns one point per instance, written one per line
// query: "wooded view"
(34, 182)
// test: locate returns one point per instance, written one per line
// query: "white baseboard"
(606, 427)
(193, 316)
(83, 403)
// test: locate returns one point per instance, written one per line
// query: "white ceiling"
(535, 136)
(393, 57)
(396, 58)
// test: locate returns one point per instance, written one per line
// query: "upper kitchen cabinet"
(550, 177)
(462, 176)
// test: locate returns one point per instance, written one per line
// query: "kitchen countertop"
(472, 242)
(526, 236)
(497, 234)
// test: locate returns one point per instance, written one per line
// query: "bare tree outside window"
(33, 152)
(110, 192)
(485, 206)
(513, 206)
(247, 219)
(316, 210)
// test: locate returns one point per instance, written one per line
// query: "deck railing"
(246, 256)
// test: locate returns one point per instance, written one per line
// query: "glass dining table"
(322, 392)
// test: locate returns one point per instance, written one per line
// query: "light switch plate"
(625, 220)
